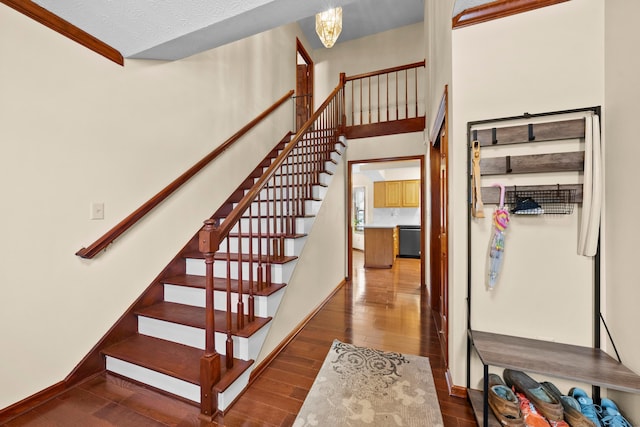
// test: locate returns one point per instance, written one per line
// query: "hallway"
(381, 308)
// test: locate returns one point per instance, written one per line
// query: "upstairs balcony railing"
(385, 101)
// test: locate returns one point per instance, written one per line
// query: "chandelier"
(329, 26)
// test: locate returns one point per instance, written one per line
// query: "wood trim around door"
(422, 210)
(439, 223)
(307, 92)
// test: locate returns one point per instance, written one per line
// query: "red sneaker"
(531, 416)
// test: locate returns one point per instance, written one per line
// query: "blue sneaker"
(588, 408)
(611, 416)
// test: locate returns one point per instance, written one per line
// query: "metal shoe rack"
(576, 363)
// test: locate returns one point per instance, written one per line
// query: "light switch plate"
(97, 210)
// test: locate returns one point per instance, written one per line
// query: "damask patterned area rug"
(359, 386)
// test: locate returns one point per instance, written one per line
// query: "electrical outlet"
(97, 210)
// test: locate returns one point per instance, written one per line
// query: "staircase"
(199, 340)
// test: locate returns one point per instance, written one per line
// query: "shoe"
(504, 403)
(545, 403)
(571, 407)
(587, 407)
(531, 416)
(611, 416)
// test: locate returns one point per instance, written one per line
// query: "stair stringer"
(317, 270)
(239, 384)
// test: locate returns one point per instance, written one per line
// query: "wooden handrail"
(235, 215)
(126, 223)
(386, 71)
(48, 19)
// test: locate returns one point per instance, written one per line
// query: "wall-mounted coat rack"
(558, 199)
(550, 131)
(585, 364)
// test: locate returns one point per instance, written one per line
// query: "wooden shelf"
(475, 398)
(571, 362)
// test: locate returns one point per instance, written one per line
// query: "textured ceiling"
(175, 29)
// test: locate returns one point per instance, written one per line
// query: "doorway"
(439, 224)
(364, 211)
(304, 85)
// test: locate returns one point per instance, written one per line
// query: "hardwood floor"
(384, 309)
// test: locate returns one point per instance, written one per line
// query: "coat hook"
(531, 135)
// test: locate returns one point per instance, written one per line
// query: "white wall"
(621, 231)
(549, 59)
(77, 129)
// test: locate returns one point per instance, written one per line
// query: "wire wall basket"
(541, 202)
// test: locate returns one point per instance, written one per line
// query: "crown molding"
(59, 25)
(498, 9)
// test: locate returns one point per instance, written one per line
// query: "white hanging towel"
(592, 189)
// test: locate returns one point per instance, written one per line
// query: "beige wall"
(391, 48)
(621, 230)
(438, 47)
(504, 68)
(77, 129)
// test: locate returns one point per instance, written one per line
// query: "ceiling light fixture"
(329, 26)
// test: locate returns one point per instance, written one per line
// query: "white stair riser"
(283, 192)
(302, 225)
(243, 348)
(286, 206)
(176, 386)
(318, 192)
(227, 397)
(287, 180)
(325, 178)
(264, 306)
(155, 379)
(301, 168)
(280, 273)
(292, 247)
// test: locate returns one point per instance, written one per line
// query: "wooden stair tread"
(196, 317)
(176, 360)
(220, 284)
(222, 256)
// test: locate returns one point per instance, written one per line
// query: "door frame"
(300, 50)
(423, 181)
(439, 234)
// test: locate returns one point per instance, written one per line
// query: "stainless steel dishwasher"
(409, 241)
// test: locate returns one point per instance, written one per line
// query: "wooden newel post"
(209, 242)
(343, 104)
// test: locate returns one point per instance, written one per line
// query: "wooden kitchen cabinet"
(380, 246)
(380, 194)
(393, 195)
(396, 194)
(411, 193)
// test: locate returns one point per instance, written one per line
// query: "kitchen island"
(380, 246)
